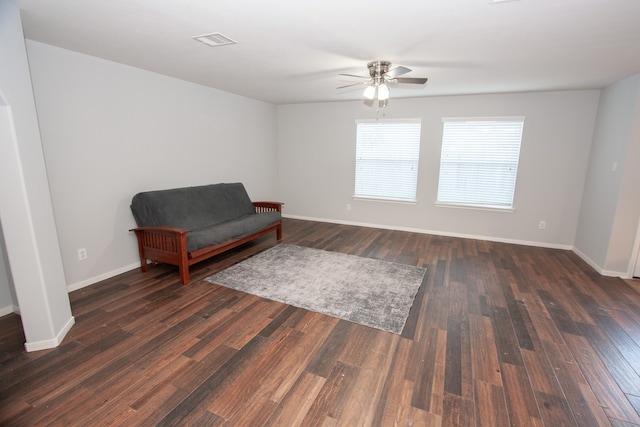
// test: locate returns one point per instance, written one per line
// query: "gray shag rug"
(362, 290)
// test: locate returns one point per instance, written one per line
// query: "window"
(387, 154)
(479, 161)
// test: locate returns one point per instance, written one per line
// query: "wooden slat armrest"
(163, 244)
(158, 243)
(268, 206)
(163, 230)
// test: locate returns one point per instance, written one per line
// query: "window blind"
(387, 155)
(479, 162)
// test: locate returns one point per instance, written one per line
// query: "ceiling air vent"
(214, 39)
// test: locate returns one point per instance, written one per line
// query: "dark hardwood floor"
(499, 335)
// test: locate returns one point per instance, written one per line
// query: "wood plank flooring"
(499, 335)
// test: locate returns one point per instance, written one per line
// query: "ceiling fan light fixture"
(370, 92)
(383, 92)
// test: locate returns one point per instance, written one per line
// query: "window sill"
(378, 199)
(474, 207)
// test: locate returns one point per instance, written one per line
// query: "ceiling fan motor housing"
(377, 70)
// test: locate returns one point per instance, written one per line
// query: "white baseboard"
(8, 310)
(53, 342)
(588, 260)
(435, 233)
(124, 269)
(101, 277)
(599, 269)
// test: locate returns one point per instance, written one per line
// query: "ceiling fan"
(380, 75)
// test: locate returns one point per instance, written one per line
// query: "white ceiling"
(291, 51)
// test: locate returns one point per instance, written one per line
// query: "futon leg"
(184, 274)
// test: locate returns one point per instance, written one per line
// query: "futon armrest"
(268, 206)
(158, 242)
(161, 230)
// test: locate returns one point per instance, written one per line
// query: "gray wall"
(110, 131)
(316, 145)
(611, 206)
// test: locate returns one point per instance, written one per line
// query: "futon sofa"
(183, 226)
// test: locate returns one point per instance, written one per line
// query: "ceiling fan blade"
(352, 84)
(353, 75)
(411, 80)
(397, 71)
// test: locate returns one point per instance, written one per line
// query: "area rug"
(362, 290)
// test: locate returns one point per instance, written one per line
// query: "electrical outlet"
(542, 225)
(82, 254)
(348, 206)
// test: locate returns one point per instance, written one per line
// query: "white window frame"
(479, 169)
(387, 159)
